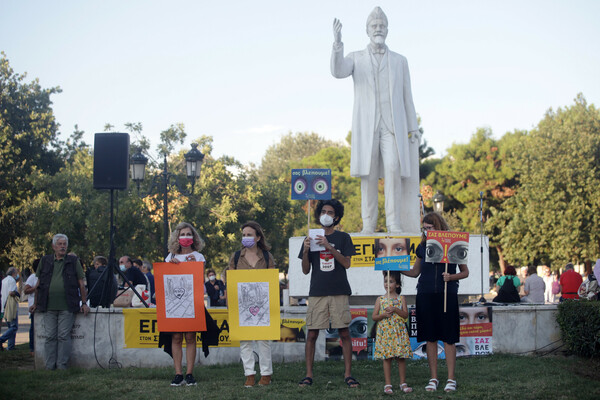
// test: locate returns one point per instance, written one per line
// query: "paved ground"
(23, 332)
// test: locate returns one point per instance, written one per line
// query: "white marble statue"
(385, 132)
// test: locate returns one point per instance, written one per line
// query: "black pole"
(482, 299)
(165, 210)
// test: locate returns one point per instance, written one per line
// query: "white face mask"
(212, 278)
(326, 220)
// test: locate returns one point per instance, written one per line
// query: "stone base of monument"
(99, 340)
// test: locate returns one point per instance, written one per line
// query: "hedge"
(579, 322)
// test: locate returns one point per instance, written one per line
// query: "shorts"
(325, 312)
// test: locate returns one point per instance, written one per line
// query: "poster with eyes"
(447, 247)
(392, 254)
(180, 296)
(253, 302)
(311, 184)
(475, 333)
(359, 332)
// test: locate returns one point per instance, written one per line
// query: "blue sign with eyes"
(311, 184)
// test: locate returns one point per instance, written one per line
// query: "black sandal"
(306, 381)
(351, 382)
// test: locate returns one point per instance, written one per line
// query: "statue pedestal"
(365, 281)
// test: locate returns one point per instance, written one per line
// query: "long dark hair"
(438, 222)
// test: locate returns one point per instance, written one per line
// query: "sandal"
(432, 385)
(405, 388)
(450, 386)
(306, 381)
(387, 389)
(351, 382)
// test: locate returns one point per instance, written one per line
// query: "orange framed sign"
(180, 296)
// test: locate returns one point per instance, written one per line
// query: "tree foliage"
(28, 140)
(554, 217)
(481, 165)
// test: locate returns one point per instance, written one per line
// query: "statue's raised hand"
(337, 30)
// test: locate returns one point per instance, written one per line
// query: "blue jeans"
(56, 327)
(11, 334)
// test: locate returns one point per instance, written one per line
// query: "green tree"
(482, 165)
(554, 215)
(292, 147)
(28, 140)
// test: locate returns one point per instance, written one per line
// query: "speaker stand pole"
(112, 262)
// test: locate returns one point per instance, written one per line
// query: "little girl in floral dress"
(391, 313)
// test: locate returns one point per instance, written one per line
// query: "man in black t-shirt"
(328, 302)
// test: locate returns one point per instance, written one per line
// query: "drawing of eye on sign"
(447, 247)
(311, 184)
(392, 254)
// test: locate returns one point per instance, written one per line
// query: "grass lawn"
(492, 377)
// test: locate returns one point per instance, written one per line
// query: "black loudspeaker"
(111, 161)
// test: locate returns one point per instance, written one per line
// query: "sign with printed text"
(447, 247)
(140, 328)
(391, 254)
(366, 253)
(311, 184)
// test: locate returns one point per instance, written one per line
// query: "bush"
(579, 322)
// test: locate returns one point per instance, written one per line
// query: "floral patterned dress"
(392, 337)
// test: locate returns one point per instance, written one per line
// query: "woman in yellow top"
(254, 255)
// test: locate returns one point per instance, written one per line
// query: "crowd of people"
(550, 288)
(57, 290)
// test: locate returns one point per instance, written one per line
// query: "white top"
(8, 285)
(31, 281)
(185, 257)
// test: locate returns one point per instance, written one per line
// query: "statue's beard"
(379, 40)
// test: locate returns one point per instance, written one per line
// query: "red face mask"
(186, 241)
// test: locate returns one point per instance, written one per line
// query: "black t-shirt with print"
(328, 276)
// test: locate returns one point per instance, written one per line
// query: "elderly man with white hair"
(60, 294)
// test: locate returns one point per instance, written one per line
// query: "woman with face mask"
(184, 245)
(215, 289)
(254, 255)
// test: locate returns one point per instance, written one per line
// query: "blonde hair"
(175, 247)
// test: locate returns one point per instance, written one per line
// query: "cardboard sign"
(365, 254)
(311, 184)
(253, 301)
(392, 254)
(180, 296)
(447, 247)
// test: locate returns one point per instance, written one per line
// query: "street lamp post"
(165, 180)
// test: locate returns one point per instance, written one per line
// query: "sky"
(249, 72)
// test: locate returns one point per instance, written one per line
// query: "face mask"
(212, 278)
(248, 241)
(186, 241)
(326, 220)
(122, 267)
(17, 277)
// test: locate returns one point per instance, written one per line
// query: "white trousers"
(384, 150)
(263, 350)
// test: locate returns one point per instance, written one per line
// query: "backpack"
(508, 292)
(555, 287)
(237, 254)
